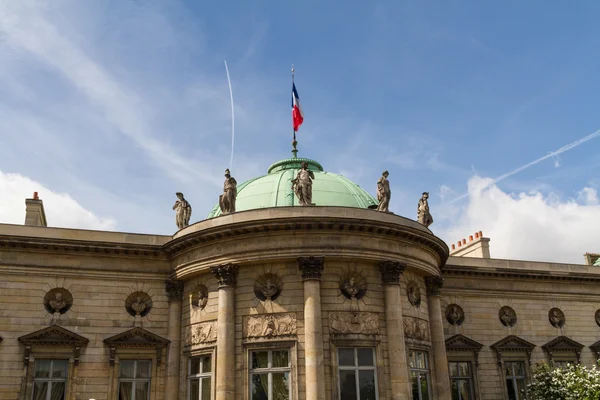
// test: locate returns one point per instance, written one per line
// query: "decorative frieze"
(416, 328)
(363, 323)
(391, 272)
(434, 284)
(174, 289)
(269, 325)
(311, 267)
(226, 274)
(202, 333)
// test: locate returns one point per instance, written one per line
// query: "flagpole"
(294, 142)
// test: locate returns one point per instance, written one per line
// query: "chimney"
(34, 211)
(477, 246)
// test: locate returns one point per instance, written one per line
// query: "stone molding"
(357, 323)
(311, 267)
(391, 272)
(269, 325)
(434, 284)
(202, 333)
(174, 289)
(512, 344)
(53, 336)
(596, 349)
(416, 328)
(506, 272)
(463, 343)
(565, 345)
(226, 274)
(136, 338)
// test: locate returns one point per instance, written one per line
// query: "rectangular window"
(515, 379)
(461, 380)
(270, 375)
(50, 379)
(419, 374)
(199, 378)
(357, 373)
(562, 364)
(134, 380)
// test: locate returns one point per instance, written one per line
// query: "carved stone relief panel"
(58, 301)
(455, 314)
(203, 333)
(416, 328)
(507, 316)
(364, 323)
(556, 317)
(138, 303)
(200, 296)
(353, 285)
(267, 287)
(269, 325)
(413, 292)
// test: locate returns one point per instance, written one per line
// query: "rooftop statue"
(183, 211)
(384, 193)
(302, 185)
(227, 199)
(423, 215)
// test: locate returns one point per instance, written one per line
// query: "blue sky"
(110, 107)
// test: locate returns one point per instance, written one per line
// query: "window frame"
(269, 371)
(355, 340)
(132, 353)
(504, 377)
(471, 378)
(202, 375)
(135, 380)
(50, 353)
(427, 370)
(49, 379)
(357, 368)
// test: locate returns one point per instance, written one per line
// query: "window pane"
(125, 389)
(126, 369)
(206, 364)
(454, 387)
(194, 366)
(415, 385)
(281, 386)
(348, 385)
(260, 359)
(280, 359)
(453, 367)
(465, 389)
(39, 390)
(194, 389)
(463, 369)
(143, 370)
(365, 357)
(421, 360)
(508, 369)
(60, 368)
(519, 369)
(412, 357)
(521, 388)
(42, 368)
(510, 388)
(206, 389)
(366, 381)
(424, 386)
(58, 391)
(259, 387)
(346, 357)
(142, 390)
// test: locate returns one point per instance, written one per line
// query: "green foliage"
(574, 382)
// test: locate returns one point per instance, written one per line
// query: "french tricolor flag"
(297, 116)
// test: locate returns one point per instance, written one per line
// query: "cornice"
(454, 270)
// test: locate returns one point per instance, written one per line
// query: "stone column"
(174, 290)
(438, 344)
(311, 268)
(390, 275)
(225, 384)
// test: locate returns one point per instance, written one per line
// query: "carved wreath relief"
(507, 316)
(416, 328)
(353, 286)
(138, 303)
(455, 314)
(58, 301)
(354, 323)
(205, 332)
(267, 287)
(200, 296)
(556, 317)
(270, 325)
(413, 292)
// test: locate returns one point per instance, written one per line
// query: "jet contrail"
(232, 115)
(539, 160)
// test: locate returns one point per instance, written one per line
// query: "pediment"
(563, 343)
(136, 337)
(595, 346)
(462, 343)
(53, 336)
(513, 343)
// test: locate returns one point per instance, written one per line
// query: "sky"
(107, 108)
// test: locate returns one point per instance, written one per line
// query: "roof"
(275, 189)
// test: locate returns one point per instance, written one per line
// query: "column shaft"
(174, 290)
(438, 343)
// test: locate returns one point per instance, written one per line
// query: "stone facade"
(309, 281)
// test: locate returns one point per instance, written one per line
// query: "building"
(277, 301)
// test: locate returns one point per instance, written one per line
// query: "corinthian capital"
(174, 289)
(434, 284)
(226, 274)
(311, 267)
(390, 272)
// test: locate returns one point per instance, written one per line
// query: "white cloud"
(529, 226)
(60, 208)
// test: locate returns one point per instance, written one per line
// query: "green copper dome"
(275, 189)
